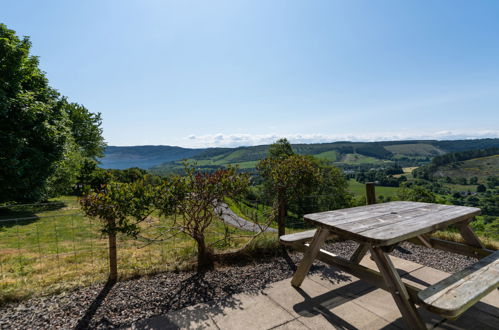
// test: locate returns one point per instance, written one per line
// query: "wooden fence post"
(113, 258)
(370, 193)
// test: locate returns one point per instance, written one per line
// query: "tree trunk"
(113, 257)
(281, 216)
(205, 256)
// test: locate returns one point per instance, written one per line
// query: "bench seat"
(298, 238)
(455, 294)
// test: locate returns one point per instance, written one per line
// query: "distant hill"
(477, 167)
(144, 156)
(165, 159)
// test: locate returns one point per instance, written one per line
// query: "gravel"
(107, 306)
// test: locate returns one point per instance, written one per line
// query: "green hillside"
(480, 167)
(167, 159)
(415, 149)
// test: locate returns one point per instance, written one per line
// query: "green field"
(47, 251)
(359, 189)
(415, 149)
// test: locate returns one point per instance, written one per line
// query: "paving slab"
(192, 317)
(326, 300)
(403, 266)
(252, 312)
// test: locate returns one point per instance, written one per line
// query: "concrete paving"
(329, 300)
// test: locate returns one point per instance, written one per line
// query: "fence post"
(113, 259)
(370, 193)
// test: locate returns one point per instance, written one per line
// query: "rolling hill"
(480, 167)
(165, 159)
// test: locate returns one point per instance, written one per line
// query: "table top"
(392, 222)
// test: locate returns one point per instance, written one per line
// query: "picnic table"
(379, 228)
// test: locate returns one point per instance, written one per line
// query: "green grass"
(354, 159)
(414, 149)
(359, 189)
(331, 155)
(61, 249)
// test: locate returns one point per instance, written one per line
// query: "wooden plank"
(388, 235)
(335, 218)
(299, 238)
(362, 272)
(468, 235)
(425, 241)
(398, 290)
(392, 217)
(359, 253)
(361, 211)
(456, 247)
(455, 294)
(309, 256)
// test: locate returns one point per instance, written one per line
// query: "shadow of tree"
(24, 214)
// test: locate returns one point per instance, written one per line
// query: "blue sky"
(227, 73)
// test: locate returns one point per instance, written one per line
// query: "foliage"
(280, 149)
(194, 197)
(32, 121)
(416, 194)
(86, 130)
(120, 206)
(44, 138)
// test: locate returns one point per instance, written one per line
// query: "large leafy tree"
(286, 179)
(33, 122)
(44, 139)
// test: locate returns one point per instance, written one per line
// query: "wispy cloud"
(236, 140)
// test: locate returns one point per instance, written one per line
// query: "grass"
(359, 189)
(55, 250)
(415, 149)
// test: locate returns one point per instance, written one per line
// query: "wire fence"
(64, 249)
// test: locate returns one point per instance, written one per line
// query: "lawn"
(359, 189)
(47, 251)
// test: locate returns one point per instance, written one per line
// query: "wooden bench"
(299, 238)
(455, 294)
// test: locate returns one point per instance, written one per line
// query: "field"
(359, 189)
(415, 149)
(46, 251)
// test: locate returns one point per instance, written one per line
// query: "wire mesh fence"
(63, 249)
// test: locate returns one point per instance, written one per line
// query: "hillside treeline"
(426, 172)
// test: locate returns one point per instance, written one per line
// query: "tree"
(33, 122)
(194, 197)
(481, 188)
(121, 207)
(287, 178)
(280, 149)
(44, 138)
(416, 194)
(86, 130)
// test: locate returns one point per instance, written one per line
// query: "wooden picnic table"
(378, 228)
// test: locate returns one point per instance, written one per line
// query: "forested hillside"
(344, 154)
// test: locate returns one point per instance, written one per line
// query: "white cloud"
(236, 140)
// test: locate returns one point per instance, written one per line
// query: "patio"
(324, 301)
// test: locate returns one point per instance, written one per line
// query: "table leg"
(359, 253)
(397, 288)
(468, 235)
(309, 256)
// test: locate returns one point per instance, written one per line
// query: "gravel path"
(103, 307)
(229, 217)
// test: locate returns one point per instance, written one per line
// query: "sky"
(232, 73)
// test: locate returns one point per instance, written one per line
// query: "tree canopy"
(44, 138)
